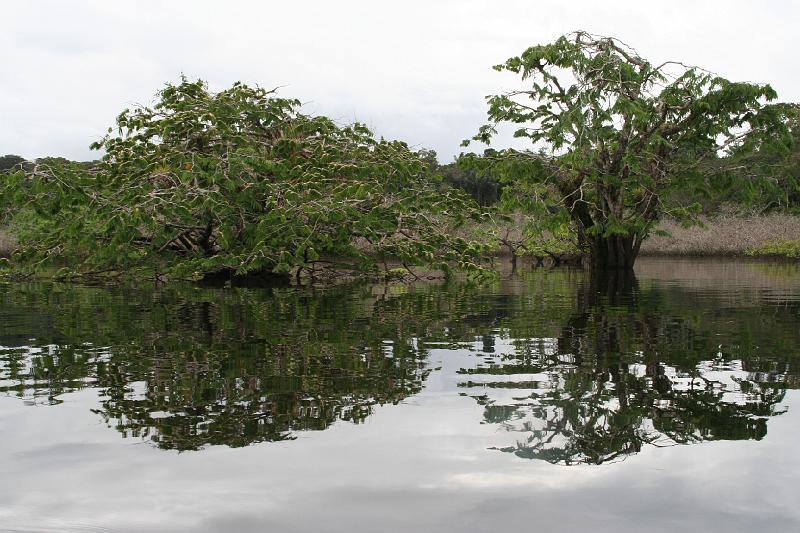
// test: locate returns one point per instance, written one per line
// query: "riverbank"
(724, 236)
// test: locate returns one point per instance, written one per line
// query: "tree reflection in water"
(184, 372)
(628, 369)
(575, 369)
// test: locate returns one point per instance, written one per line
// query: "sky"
(412, 70)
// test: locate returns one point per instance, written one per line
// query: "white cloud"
(412, 70)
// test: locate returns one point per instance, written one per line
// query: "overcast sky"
(413, 70)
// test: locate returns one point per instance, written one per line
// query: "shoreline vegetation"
(626, 158)
(774, 235)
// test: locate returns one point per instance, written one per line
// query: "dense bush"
(238, 182)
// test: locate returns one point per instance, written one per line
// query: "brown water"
(546, 401)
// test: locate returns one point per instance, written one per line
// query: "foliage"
(535, 226)
(239, 182)
(482, 185)
(10, 162)
(764, 176)
(790, 249)
(616, 135)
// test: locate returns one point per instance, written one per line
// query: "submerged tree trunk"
(615, 252)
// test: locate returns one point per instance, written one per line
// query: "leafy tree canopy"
(765, 176)
(614, 135)
(240, 182)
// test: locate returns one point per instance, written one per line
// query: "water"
(545, 401)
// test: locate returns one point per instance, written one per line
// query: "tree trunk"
(615, 252)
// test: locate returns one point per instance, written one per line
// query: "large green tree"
(613, 135)
(236, 183)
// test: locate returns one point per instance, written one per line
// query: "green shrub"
(778, 248)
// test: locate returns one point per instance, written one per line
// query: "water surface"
(547, 401)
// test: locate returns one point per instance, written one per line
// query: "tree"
(10, 162)
(480, 184)
(764, 176)
(616, 134)
(240, 183)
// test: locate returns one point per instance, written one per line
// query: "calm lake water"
(546, 402)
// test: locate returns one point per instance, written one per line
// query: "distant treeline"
(11, 162)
